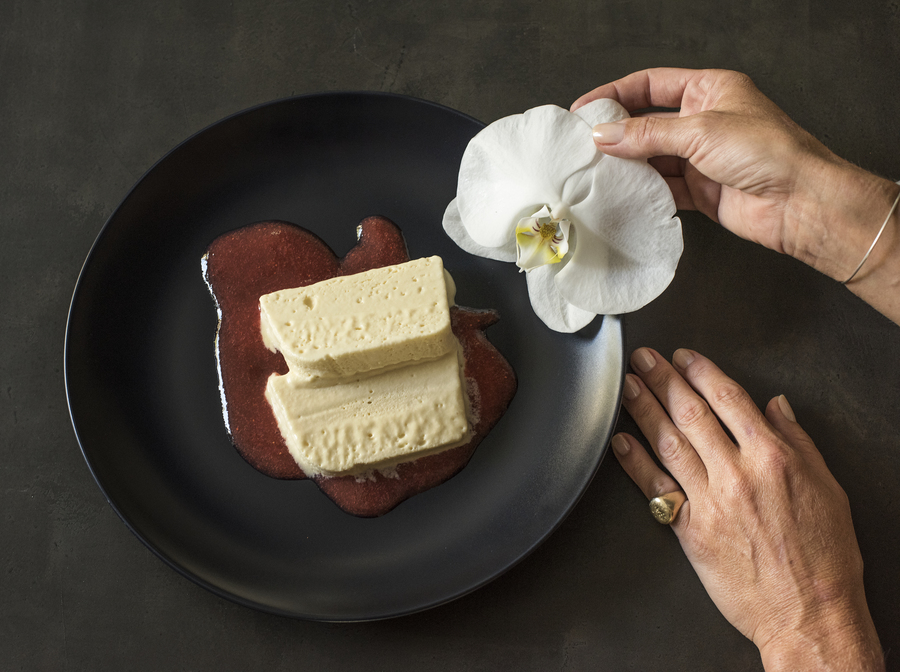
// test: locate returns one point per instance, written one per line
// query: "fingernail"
(682, 358)
(609, 134)
(620, 444)
(643, 360)
(631, 388)
(786, 409)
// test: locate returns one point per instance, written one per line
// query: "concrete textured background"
(94, 92)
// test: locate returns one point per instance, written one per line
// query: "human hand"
(731, 153)
(766, 526)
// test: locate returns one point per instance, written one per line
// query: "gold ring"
(665, 507)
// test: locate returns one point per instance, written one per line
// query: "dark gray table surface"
(93, 93)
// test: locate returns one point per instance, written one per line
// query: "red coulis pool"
(269, 256)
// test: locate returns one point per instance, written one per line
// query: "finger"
(706, 194)
(657, 87)
(660, 114)
(690, 188)
(684, 200)
(641, 468)
(672, 170)
(690, 414)
(781, 416)
(643, 137)
(671, 447)
(728, 400)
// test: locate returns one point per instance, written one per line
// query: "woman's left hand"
(766, 526)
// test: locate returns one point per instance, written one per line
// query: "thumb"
(781, 416)
(644, 137)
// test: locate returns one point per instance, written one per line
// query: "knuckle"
(700, 128)
(727, 79)
(666, 378)
(704, 122)
(729, 394)
(775, 456)
(774, 459)
(744, 81)
(736, 484)
(650, 133)
(707, 133)
(671, 447)
(691, 413)
(737, 77)
(742, 489)
(643, 130)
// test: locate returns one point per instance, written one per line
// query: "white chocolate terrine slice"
(360, 323)
(372, 422)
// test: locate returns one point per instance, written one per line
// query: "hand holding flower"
(731, 153)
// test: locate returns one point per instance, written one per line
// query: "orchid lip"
(541, 239)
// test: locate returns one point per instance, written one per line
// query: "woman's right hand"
(734, 155)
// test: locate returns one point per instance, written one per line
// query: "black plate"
(142, 387)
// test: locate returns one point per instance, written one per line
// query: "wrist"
(839, 209)
(842, 639)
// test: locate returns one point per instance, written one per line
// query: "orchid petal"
(602, 111)
(550, 306)
(628, 241)
(624, 243)
(454, 227)
(519, 163)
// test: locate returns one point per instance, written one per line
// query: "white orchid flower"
(595, 234)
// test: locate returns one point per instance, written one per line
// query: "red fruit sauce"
(266, 257)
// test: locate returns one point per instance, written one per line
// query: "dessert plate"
(143, 392)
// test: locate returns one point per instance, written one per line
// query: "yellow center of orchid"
(541, 239)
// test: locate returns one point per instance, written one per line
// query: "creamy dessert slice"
(374, 368)
(361, 323)
(372, 422)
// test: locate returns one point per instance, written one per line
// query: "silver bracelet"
(877, 236)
